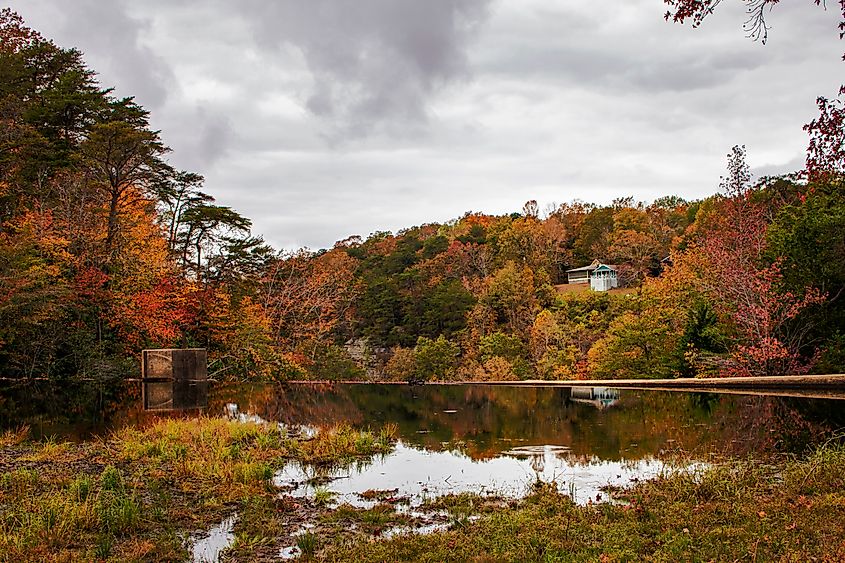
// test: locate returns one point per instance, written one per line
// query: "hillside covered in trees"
(106, 249)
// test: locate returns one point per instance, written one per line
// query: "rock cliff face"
(371, 359)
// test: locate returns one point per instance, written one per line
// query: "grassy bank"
(135, 495)
(742, 511)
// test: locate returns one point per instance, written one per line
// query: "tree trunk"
(112, 227)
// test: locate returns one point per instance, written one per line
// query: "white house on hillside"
(601, 277)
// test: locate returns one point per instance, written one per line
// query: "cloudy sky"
(320, 119)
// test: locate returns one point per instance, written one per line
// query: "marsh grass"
(790, 510)
(464, 504)
(132, 496)
(307, 544)
(88, 514)
(14, 436)
(323, 496)
(344, 442)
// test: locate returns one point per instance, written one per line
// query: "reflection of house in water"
(599, 397)
(174, 379)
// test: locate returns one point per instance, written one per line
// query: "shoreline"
(801, 386)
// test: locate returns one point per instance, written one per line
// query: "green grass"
(307, 544)
(131, 497)
(323, 496)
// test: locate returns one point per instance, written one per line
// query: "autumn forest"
(106, 249)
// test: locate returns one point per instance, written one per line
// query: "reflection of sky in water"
(422, 474)
(207, 549)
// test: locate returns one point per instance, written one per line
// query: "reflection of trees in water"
(487, 421)
(777, 424)
(704, 401)
(491, 419)
(70, 408)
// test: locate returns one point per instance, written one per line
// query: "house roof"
(606, 267)
(595, 265)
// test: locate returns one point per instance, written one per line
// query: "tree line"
(106, 249)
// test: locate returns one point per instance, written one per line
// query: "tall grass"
(307, 544)
(15, 436)
(173, 474)
(343, 442)
(62, 516)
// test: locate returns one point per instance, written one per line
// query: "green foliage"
(332, 363)
(636, 346)
(435, 359)
(701, 334)
(434, 246)
(807, 237)
(832, 359)
(502, 345)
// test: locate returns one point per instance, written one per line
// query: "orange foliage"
(307, 297)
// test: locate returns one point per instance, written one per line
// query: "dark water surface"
(480, 421)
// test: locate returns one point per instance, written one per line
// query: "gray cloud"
(112, 42)
(374, 63)
(201, 137)
(443, 106)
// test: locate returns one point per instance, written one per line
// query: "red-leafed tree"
(746, 287)
(826, 152)
(681, 11)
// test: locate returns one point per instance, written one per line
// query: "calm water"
(481, 422)
(484, 422)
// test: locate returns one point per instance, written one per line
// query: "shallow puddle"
(206, 547)
(289, 552)
(420, 475)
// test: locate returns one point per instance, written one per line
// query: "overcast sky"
(320, 119)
